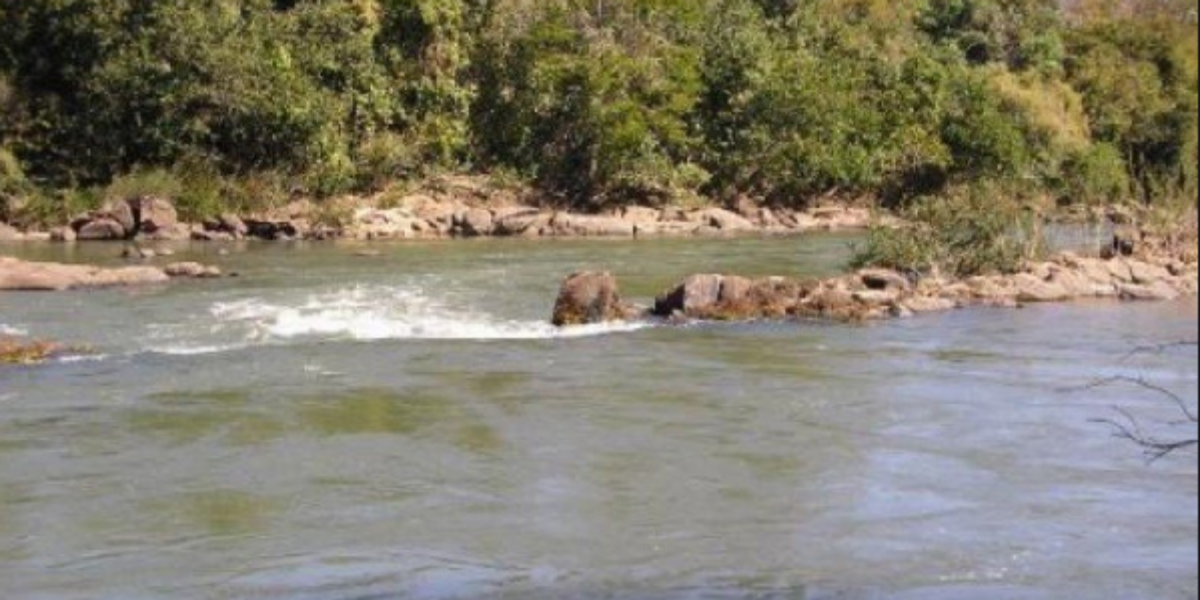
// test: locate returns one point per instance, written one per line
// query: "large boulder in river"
(590, 298)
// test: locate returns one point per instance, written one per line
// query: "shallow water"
(333, 426)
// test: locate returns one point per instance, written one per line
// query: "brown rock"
(882, 279)
(173, 233)
(63, 235)
(1157, 291)
(876, 298)
(16, 275)
(157, 216)
(104, 229)
(590, 298)
(641, 215)
(191, 270)
(726, 221)
(696, 295)
(735, 290)
(926, 304)
(834, 302)
(477, 222)
(566, 224)
(121, 212)
(233, 225)
(1147, 274)
(521, 222)
(1032, 289)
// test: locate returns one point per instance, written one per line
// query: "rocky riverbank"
(458, 209)
(875, 294)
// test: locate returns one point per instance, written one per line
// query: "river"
(335, 426)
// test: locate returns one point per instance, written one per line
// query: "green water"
(335, 426)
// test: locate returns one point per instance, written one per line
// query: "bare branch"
(1127, 427)
(1131, 431)
(1159, 349)
(1145, 384)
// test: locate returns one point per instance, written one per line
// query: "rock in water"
(697, 295)
(590, 298)
(25, 352)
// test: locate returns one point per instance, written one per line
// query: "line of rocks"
(418, 216)
(424, 217)
(23, 276)
(873, 294)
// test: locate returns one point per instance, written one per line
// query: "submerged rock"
(18, 275)
(191, 270)
(15, 351)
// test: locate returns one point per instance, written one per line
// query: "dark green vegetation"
(238, 103)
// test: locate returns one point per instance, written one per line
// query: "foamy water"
(11, 330)
(362, 313)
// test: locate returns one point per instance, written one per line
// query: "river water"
(345, 427)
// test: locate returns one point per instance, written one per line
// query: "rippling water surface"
(335, 426)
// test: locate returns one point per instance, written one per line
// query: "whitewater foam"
(363, 313)
(13, 331)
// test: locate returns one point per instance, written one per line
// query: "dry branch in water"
(1127, 427)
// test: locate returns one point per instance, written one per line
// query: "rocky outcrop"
(18, 275)
(880, 294)
(590, 298)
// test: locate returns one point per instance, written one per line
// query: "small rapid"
(362, 313)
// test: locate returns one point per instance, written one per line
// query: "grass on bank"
(973, 231)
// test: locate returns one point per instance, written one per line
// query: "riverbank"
(453, 208)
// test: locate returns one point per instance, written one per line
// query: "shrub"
(13, 184)
(971, 232)
(159, 183)
(386, 158)
(202, 193)
(257, 192)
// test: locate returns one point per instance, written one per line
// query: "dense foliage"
(602, 101)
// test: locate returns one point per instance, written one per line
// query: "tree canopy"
(608, 101)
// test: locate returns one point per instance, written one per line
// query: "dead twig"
(1127, 427)
(1159, 349)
